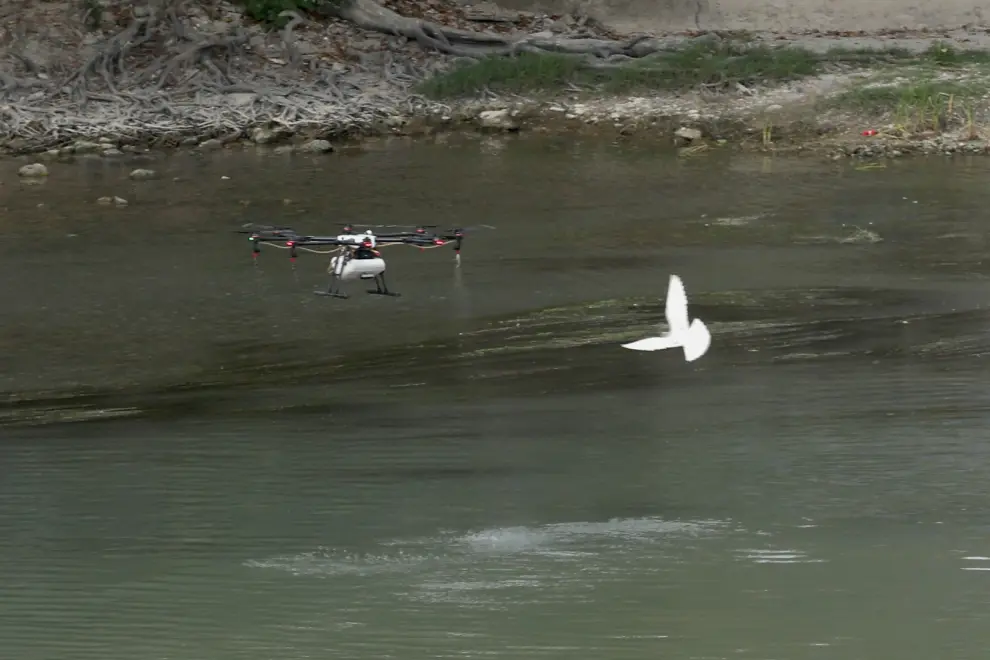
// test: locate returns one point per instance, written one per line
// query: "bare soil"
(103, 76)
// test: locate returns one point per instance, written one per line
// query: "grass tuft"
(923, 105)
(714, 65)
(908, 94)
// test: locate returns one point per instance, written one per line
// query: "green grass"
(715, 66)
(915, 106)
(711, 65)
(938, 54)
(907, 94)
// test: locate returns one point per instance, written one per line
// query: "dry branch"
(160, 77)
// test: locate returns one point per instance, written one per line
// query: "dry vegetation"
(177, 71)
(185, 67)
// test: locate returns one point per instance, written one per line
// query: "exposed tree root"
(161, 75)
(370, 15)
(214, 116)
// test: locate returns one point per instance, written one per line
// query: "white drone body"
(349, 265)
(694, 338)
(347, 268)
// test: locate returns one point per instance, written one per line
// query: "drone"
(355, 255)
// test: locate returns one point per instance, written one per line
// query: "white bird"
(694, 338)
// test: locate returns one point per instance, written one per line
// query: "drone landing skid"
(331, 294)
(381, 289)
(376, 292)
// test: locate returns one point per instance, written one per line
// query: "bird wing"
(676, 309)
(652, 343)
(697, 341)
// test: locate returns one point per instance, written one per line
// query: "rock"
(497, 120)
(689, 134)
(266, 135)
(86, 147)
(112, 151)
(34, 170)
(316, 147)
(116, 201)
(210, 145)
(142, 175)
(284, 149)
(263, 135)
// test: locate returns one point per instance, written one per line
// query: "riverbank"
(164, 76)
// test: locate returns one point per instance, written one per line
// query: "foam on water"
(504, 567)
(765, 556)
(548, 541)
(330, 562)
(976, 568)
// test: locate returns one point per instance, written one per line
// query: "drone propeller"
(288, 239)
(416, 230)
(351, 225)
(251, 228)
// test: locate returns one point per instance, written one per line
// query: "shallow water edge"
(664, 122)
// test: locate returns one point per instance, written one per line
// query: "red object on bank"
(869, 132)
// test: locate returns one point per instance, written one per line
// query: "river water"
(201, 459)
